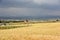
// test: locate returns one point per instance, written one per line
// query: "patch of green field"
(10, 27)
(13, 25)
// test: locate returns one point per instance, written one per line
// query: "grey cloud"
(27, 7)
(27, 12)
(14, 3)
(26, 4)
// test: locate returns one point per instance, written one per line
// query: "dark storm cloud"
(14, 3)
(29, 7)
(29, 4)
(0, 0)
(25, 3)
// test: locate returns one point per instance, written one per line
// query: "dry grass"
(37, 31)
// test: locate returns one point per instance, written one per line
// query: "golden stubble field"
(37, 31)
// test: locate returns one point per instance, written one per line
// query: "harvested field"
(37, 31)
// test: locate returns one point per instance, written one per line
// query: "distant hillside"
(31, 17)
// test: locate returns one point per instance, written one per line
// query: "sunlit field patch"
(36, 31)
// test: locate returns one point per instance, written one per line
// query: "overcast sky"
(29, 7)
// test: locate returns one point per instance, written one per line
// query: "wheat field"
(37, 31)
